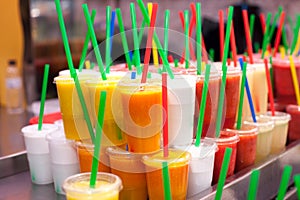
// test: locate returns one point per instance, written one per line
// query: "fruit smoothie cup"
(285, 93)
(64, 159)
(294, 128)
(108, 186)
(181, 107)
(211, 108)
(66, 72)
(264, 138)
(38, 154)
(226, 139)
(280, 131)
(129, 167)
(246, 147)
(246, 107)
(178, 165)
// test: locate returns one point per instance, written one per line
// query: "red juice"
(294, 128)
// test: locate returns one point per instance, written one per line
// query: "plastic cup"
(178, 163)
(38, 152)
(211, 108)
(64, 159)
(246, 147)
(294, 128)
(129, 167)
(285, 93)
(66, 72)
(264, 138)
(226, 139)
(280, 130)
(246, 108)
(107, 187)
(181, 107)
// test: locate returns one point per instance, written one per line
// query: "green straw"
(273, 27)
(156, 39)
(202, 106)
(240, 110)
(71, 68)
(176, 62)
(43, 96)
(224, 69)
(166, 31)
(297, 184)
(252, 20)
(265, 38)
(166, 181)
(141, 32)
(284, 39)
(256, 47)
(198, 37)
(253, 185)
(223, 173)
(295, 36)
(212, 54)
(123, 37)
(287, 171)
(289, 18)
(135, 39)
(86, 43)
(186, 33)
(107, 40)
(94, 40)
(97, 143)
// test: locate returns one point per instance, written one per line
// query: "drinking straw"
(135, 39)
(191, 27)
(262, 22)
(295, 35)
(165, 114)
(291, 24)
(176, 62)
(240, 110)
(297, 184)
(270, 91)
(123, 37)
(248, 37)
(198, 37)
(71, 67)
(284, 39)
(86, 43)
(223, 172)
(282, 52)
(202, 105)
(149, 42)
(250, 101)
(256, 47)
(156, 39)
(154, 48)
(107, 40)
(92, 65)
(186, 33)
(272, 30)
(252, 20)
(133, 75)
(221, 32)
(166, 31)
(233, 45)
(295, 79)
(97, 144)
(253, 185)
(265, 38)
(212, 54)
(278, 34)
(43, 96)
(141, 32)
(112, 29)
(87, 64)
(287, 171)
(224, 69)
(94, 40)
(166, 181)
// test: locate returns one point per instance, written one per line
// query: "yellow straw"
(297, 45)
(295, 80)
(154, 48)
(87, 64)
(282, 52)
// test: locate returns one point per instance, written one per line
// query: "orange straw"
(165, 114)
(270, 92)
(248, 37)
(278, 35)
(221, 32)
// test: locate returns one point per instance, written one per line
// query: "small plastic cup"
(129, 167)
(264, 137)
(64, 159)
(294, 128)
(38, 152)
(108, 186)
(178, 164)
(280, 130)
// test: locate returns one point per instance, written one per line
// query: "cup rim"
(253, 130)
(280, 117)
(233, 138)
(33, 132)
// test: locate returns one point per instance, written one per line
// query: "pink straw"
(221, 32)
(149, 43)
(248, 37)
(271, 98)
(165, 114)
(278, 35)
(263, 22)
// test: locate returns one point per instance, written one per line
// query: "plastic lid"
(263, 124)
(279, 118)
(225, 137)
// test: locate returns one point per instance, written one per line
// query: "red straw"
(263, 22)
(165, 113)
(221, 32)
(271, 98)
(278, 35)
(233, 44)
(149, 43)
(204, 52)
(248, 37)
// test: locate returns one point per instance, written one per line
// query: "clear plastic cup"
(294, 128)
(38, 152)
(108, 186)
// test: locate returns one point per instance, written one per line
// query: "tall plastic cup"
(280, 131)
(129, 167)
(178, 163)
(108, 186)
(64, 159)
(38, 154)
(294, 128)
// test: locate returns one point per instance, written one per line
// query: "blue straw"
(248, 94)
(112, 28)
(133, 75)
